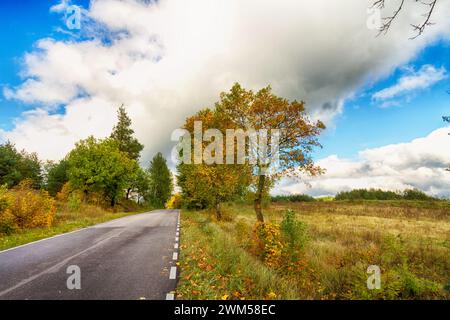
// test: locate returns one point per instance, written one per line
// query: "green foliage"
(99, 166)
(74, 202)
(123, 134)
(56, 176)
(295, 232)
(293, 198)
(161, 184)
(17, 166)
(378, 194)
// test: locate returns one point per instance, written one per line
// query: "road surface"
(127, 258)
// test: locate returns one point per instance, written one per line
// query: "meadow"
(335, 242)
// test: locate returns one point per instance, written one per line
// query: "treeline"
(378, 194)
(359, 194)
(102, 172)
(292, 198)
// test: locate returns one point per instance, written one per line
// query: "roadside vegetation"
(99, 180)
(317, 250)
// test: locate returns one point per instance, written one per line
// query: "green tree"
(16, 166)
(100, 166)
(56, 176)
(161, 184)
(123, 134)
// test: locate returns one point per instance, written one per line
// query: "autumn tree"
(100, 166)
(210, 183)
(161, 184)
(286, 154)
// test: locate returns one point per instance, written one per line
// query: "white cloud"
(169, 59)
(424, 78)
(420, 163)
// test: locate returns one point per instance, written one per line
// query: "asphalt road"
(127, 258)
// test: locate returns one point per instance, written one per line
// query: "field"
(408, 240)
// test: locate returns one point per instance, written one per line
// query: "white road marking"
(175, 256)
(176, 239)
(175, 246)
(173, 273)
(170, 296)
(177, 234)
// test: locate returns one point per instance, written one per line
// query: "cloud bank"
(168, 59)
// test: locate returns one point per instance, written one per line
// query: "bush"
(28, 208)
(6, 219)
(267, 243)
(414, 194)
(294, 231)
(378, 194)
(74, 202)
(293, 198)
(174, 202)
(295, 236)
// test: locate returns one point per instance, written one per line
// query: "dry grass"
(409, 241)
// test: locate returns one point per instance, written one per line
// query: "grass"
(408, 240)
(65, 221)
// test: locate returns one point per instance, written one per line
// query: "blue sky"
(364, 124)
(150, 68)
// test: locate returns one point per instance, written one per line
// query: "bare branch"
(419, 28)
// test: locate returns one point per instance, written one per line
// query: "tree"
(100, 166)
(207, 185)
(288, 154)
(56, 176)
(123, 134)
(418, 28)
(139, 183)
(161, 184)
(17, 166)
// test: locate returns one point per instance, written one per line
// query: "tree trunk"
(258, 198)
(218, 212)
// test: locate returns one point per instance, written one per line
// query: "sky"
(382, 98)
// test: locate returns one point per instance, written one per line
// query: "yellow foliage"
(268, 243)
(174, 202)
(65, 192)
(27, 207)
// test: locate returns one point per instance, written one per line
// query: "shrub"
(174, 202)
(378, 194)
(6, 219)
(267, 241)
(293, 198)
(74, 202)
(295, 236)
(30, 208)
(414, 194)
(294, 231)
